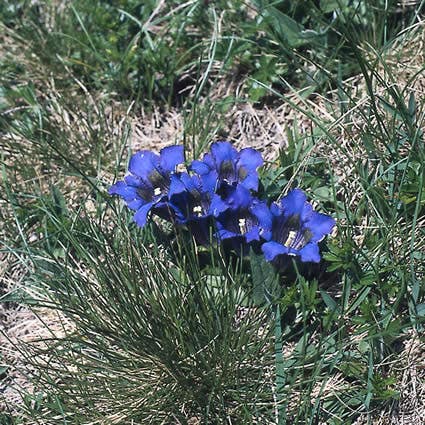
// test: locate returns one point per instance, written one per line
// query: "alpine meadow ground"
(107, 320)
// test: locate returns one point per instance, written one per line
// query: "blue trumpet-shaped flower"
(225, 165)
(195, 204)
(296, 229)
(147, 183)
(247, 219)
(192, 199)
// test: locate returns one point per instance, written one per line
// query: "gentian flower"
(194, 204)
(226, 166)
(191, 198)
(247, 219)
(146, 185)
(296, 229)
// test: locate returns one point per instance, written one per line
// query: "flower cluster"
(216, 197)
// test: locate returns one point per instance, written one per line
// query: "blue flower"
(146, 185)
(191, 199)
(246, 220)
(194, 205)
(296, 229)
(226, 166)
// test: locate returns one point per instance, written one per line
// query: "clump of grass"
(146, 325)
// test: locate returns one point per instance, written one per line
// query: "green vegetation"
(144, 332)
(154, 51)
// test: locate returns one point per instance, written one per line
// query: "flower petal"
(122, 189)
(165, 210)
(217, 206)
(142, 164)
(131, 180)
(276, 209)
(253, 234)
(238, 197)
(294, 203)
(180, 212)
(320, 225)
(223, 151)
(263, 214)
(190, 182)
(199, 167)
(266, 234)
(135, 204)
(310, 253)
(208, 174)
(273, 249)
(128, 193)
(200, 229)
(170, 157)
(249, 161)
(176, 185)
(209, 181)
(251, 181)
(142, 213)
(226, 234)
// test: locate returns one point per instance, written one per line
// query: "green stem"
(280, 372)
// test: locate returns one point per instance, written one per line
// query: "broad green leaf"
(286, 28)
(420, 309)
(327, 6)
(265, 281)
(329, 301)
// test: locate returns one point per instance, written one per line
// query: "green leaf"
(420, 310)
(286, 28)
(352, 368)
(17, 296)
(3, 370)
(265, 283)
(58, 201)
(412, 105)
(329, 301)
(364, 346)
(327, 6)
(363, 294)
(324, 193)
